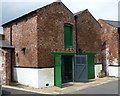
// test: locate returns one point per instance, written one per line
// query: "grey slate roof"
(113, 23)
(80, 12)
(5, 44)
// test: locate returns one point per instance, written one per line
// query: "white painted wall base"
(114, 71)
(98, 68)
(37, 78)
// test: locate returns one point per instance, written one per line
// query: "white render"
(114, 71)
(98, 68)
(106, 60)
(33, 77)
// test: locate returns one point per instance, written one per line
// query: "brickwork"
(5, 67)
(110, 38)
(40, 35)
(24, 36)
(6, 31)
(89, 36)
(51, 32)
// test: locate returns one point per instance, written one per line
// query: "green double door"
(73, 68)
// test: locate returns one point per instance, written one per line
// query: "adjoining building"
(6, 59)
(111, 46)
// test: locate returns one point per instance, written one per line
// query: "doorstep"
(67, 87)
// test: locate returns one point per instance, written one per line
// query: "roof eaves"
(108, 22)
(31, 13)
(18, 18)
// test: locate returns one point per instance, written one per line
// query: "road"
(7, 91)
(108, 88)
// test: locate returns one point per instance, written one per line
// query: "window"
(68, 36)
(23, 49)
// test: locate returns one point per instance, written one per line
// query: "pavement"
(67, 88)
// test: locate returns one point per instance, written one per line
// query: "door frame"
(60, 54)
(89, 62)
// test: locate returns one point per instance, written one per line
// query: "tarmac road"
(108, 88)
(9, 91)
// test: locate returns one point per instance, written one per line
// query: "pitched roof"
(113, 23)
(86, 10)
(5, 44)
(58, 1)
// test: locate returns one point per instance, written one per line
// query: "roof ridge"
(80, 12)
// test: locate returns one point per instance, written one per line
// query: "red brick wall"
(24, 35)
(6, 67)
(51, 20)
(6, 31)
(89, 35)
(111, 37)
(41, 34)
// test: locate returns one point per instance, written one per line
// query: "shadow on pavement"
(5, 92)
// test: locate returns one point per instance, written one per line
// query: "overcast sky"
(104, 9)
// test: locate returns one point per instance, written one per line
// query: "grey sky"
(104, 9)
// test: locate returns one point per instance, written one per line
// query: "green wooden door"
(58, 71)
(91, 69)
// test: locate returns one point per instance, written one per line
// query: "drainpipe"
(11, 34)
(11, 73)
(76, 32)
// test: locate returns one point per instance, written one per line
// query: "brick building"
(110, 46)
(47, 43)
(6, 50)
(88, 34)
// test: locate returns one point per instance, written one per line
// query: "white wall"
(37, 78)
(114, 71)
(98, 68)
(46, 76)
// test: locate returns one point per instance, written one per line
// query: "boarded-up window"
(68, 36)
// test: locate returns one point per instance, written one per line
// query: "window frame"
(65, 44)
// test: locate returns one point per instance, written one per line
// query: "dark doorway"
(67, 73)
